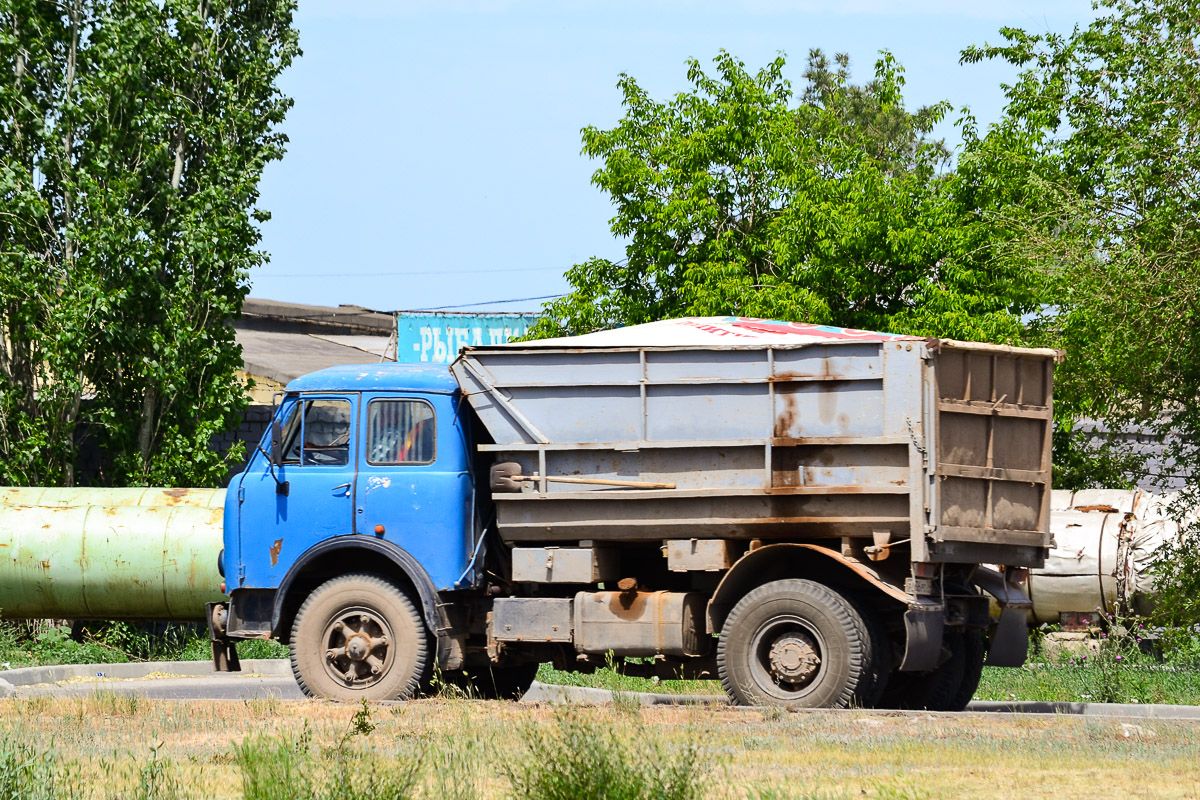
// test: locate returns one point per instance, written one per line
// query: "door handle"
(341, 486)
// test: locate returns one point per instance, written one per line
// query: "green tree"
(1111, 113)
(1114, 107)
(133, 134)
(834, 207)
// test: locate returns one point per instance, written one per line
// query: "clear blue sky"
(434, 156)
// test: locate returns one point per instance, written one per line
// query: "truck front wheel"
(359, 637)
(794, 643)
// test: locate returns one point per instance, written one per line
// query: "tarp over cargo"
(717, 331)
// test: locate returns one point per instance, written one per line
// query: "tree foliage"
(1111, 113)
(133, 134)
(835, 206)
(1114, 108)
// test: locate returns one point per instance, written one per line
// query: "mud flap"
(1008, 644)
(923, 623)
(224, 649)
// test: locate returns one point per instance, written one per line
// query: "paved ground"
(174, 680)
(195, 680)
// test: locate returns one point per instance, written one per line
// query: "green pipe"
(134, 496)
(99, 554)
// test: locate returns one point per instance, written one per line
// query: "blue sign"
(437, 338)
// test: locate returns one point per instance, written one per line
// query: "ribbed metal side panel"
(759, 442)
(994, 424)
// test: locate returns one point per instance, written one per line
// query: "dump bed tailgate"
(994, 419)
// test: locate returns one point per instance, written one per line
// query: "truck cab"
(365, 471)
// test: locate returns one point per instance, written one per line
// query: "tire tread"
(423, 648)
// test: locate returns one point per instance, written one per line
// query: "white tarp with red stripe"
(716, 331)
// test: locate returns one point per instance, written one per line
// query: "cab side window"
(400, 432)
(319, 434)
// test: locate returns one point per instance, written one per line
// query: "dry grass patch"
(106, 747)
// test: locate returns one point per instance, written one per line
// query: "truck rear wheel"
(797, 644)
(943, 688)
(878, 664)
(359, 637)
(499, 683)
(975, 652)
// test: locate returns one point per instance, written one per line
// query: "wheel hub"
(357, 647)
(793, 659)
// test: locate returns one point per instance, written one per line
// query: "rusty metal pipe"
(109, 554)
(130, 496)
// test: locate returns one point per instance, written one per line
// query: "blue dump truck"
(805, 513)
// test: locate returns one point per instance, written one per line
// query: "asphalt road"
(175, 680)
(215, 687)
(190, 680)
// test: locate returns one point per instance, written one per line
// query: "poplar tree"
(133, 135)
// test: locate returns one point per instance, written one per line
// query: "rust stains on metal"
(175, 496)
(785, 417)
(628, 605)
(275, 549)
(1104, 509)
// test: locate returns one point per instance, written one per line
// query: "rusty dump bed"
(815, 434)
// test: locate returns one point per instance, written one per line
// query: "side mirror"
(276, 442)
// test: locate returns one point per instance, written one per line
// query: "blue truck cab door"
(414, 486)
(319, 466)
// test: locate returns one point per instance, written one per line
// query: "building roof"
(745, 332)
(435, 378)
(348, 320)
(285, 356)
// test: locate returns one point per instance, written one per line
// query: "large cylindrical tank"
(1106, 541)
(109, 553)
(132, 496)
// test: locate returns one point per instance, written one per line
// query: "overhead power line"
(402, 274)
(487, 303)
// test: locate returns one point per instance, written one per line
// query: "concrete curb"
(1106, 710)
(587, 696)
(31, 676)
(580, 695)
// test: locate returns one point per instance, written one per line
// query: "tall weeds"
(29, 774)
(277, 769)
(580, 760)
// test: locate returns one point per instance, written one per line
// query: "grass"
(1121, 673)
(1135, 678)
(578, 758)
(38, 643)
(609, 678)
(1124, 676)
(467, 750)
